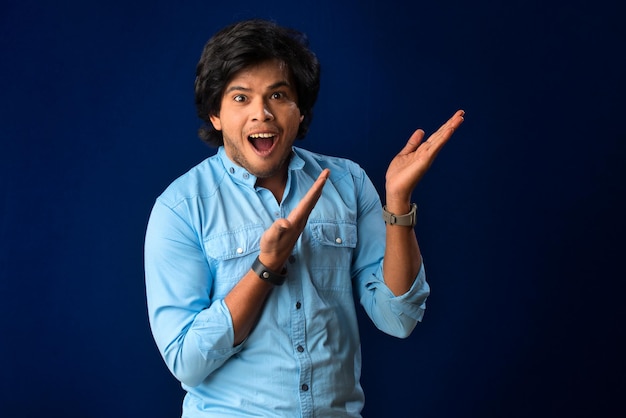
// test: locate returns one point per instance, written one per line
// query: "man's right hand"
(278, 241)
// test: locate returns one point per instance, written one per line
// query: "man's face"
(259, 119)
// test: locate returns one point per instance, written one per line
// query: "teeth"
(264, 135)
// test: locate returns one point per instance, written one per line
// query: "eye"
(239, 98)
(277, 95)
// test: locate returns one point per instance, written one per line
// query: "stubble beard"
(272, 171)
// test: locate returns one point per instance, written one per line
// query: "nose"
(261, 111)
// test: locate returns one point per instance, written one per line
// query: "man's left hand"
(410, 165)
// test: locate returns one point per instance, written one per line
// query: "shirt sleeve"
(194, 334)
(394, 315)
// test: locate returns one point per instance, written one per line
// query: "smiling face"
(259, 119)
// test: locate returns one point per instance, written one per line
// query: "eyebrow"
(282, 83)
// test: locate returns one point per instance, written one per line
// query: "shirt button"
(232, 170)
(292, 259)
(298, 305)
(305, 387)
(338, 240)
(246, 175)
(300, 349)
(239, 250)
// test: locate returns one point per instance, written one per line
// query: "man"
(253, 256)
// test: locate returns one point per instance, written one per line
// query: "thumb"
(280, 226)
(414, 141)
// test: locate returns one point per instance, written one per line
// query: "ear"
(216, 121)
(301, 119)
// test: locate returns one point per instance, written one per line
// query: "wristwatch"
(403, 220)
(268, 275)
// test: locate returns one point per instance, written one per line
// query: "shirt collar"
(241, 175)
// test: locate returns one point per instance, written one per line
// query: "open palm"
(409, 166)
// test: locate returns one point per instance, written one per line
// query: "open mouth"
(262, 142)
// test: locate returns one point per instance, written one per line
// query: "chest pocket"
(230, 255)
(332, 250)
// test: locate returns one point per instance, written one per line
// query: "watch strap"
(267, 274)
(410, 219)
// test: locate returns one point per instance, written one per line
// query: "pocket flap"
(335, 234)
(236, 243)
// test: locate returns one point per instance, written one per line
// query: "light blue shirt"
(303, 357)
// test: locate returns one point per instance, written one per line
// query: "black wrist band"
(268, 275)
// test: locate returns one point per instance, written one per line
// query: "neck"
(275, 184)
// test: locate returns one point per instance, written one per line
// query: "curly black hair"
(242, 45)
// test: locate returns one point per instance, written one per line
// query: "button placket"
(298, 339)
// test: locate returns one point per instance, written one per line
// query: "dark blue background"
(521, 218)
